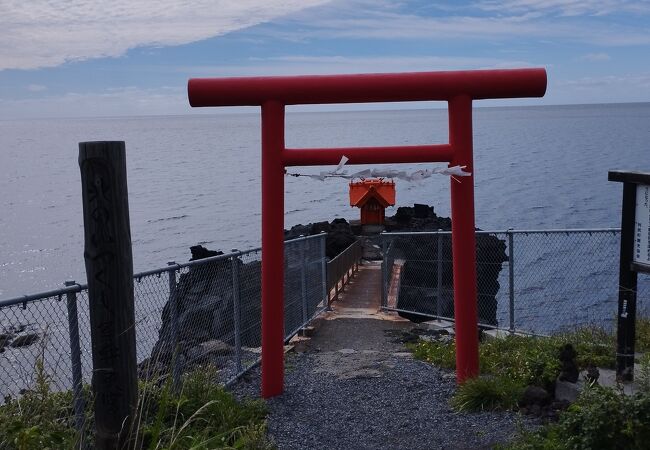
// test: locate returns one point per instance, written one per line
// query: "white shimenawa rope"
(454, 171)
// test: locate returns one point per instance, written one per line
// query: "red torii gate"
(273, 93)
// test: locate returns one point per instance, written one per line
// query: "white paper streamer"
(454, 171)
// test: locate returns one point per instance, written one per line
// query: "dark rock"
(592, 375)
(535, 410)
(567, 391)
(200, 252)
(320, 227)
(535, 396)
(206, 351)
(371, 248)
(339, 234)
(422, 211)
(25, 340)
(5, 338)
(569, 370)
(419, 291)
(560, 405)
(205, 313)
(403, 214)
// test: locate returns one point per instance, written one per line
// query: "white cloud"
(595, 57)
(306, 65)
(42, 33)
(567, 7)
(381, 23)
(633, 83)
(36, 88)
(108, 103)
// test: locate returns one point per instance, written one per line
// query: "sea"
(196, 179)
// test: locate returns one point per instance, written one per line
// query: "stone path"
(353, 385)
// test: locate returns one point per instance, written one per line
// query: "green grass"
(643, 334)
(601, 418)
(488, 394)
(202, 415)
(527, 359)
(39, 419)
(514, 362)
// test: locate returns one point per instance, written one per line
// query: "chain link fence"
(531, 281)
(206, 311)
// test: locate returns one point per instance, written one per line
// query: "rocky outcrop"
(419, 283)
(205, 313)
(18, 337)
(339, 234)
(203, 331)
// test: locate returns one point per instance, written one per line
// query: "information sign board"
(641, 252)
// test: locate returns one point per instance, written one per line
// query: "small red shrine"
(372, 195)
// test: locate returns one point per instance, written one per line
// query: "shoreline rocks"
(18, 336)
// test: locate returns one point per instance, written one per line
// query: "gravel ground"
(371, 395)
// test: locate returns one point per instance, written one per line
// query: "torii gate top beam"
(363, 88)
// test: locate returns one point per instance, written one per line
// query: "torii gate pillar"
(463, 240)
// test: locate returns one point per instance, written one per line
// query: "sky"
(133, 57)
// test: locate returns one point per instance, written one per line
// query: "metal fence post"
(173, 299)
(439, 278)
(323, 253)
(303, 282)
(236, 306)
(75, 358)
(384, 271)
(511, 278)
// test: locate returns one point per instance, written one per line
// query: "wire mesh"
(545, 282)
(205, 312)
(34, 332)
(419, 275)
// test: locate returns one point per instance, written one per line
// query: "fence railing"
(341, 268)
(205, 311)
(535, 281)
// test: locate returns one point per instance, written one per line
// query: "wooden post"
(109, 269)
(627, 285)
(633, 258)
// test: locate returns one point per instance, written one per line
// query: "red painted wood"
(272, 249)
(367, 155)
(363, 88)
(463, 245)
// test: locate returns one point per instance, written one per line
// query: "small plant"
(202, 415)
(644, 374)
(488, 393)
(643, 334)
(40, 418)
(601, 418)
(442, 354)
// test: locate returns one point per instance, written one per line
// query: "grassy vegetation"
(514, 362)
(200, 416)
(643, 335)
(601, 418)
(488, 394)
(526, 359)
(39, 419)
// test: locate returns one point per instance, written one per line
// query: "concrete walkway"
(352, 339)
(353, 385)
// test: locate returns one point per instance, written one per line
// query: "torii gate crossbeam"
(458, 88)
